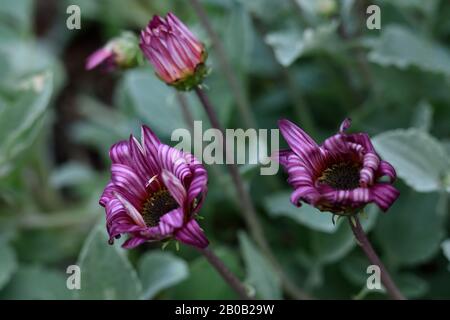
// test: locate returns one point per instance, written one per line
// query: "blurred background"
(314, 62)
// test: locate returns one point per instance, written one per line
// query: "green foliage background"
(314, 62)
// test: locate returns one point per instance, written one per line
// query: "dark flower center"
(341, 176)
(157, 205)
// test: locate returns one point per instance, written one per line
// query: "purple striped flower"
(341, 176)
(154, 193)
(176, 54)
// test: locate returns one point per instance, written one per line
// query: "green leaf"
(21, 120)
(70, 174)
(411, 286)
(445, 245)
(204, 282)
(260, 273)
(412, 230)
(279, 205)
(423, 117)
(106, 272)
(8, 263)
(419, 159)
(239, 37)
(426, 7)
(17, 15)
(160, 270)
(154, 101)
(291, 44)
(402, 48)
(354, 267)
(36, 283)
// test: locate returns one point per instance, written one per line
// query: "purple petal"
(140, 163)
(107, 194)
(384, 195)
(173, 219)
(124, 177)
(353, 198)
(192, 234)
(307, 194)
(302, 144)
(370, 166)
(132, 211)
(282, 156)
(173, 160)
(120, 153)
(295, 136)
(133, 242)
(386, 169)
(150, 144)
(98, 57)
(362, 139)
(299, 175)
(337, 146)
(175, 187)
(198, 184)
(345, 125)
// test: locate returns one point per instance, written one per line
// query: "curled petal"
(198, 184)
(192, 234)
(133, 242)
(386, 169)
(370, 166)
(384, 195)
(308, 194)
(362, 139)
(337, 146)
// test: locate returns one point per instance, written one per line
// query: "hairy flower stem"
(241, 100)
(248, 209)
(364, 243)
(226, 274)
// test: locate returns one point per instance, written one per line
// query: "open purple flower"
(176, 54)
(155, 192)
(341, 176)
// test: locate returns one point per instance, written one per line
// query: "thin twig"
(248, 210)
(364, 243)
(225, 66)
(226, 274)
